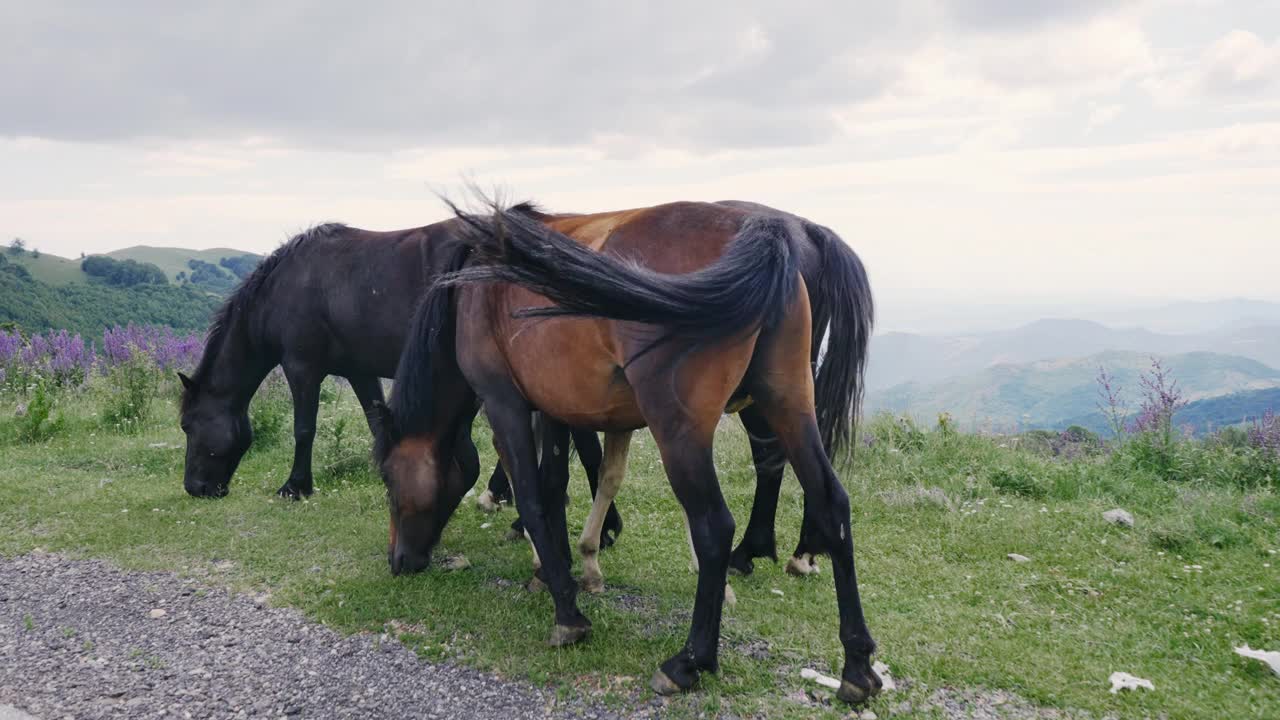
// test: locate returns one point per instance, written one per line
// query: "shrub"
(269, 412)
(131, 387)
(34, 425)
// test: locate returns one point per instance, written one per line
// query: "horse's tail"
(844, 313)
(747, 289)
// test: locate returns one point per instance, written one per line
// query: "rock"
(456, 562)
(1118, 517)
(777, 592)
(730, 598)
(1018, 558)
(867, 715)
(1270, 657)
(158, 613)
(823, 680)
(1125, 681)
(886, 680)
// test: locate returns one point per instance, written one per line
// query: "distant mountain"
(1050, 393)
(178, 260)
(1202, 416)
(87, 308)
(1195, 317)
(896, 358)
(176, 263)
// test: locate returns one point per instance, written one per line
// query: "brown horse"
(658, 317)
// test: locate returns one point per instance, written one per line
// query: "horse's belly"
(594, 400)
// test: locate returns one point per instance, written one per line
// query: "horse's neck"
(239, 365)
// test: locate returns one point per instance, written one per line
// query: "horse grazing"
(840, 304)
(663, 317)
(334, 300)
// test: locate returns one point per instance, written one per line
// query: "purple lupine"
(1109, 401)
(1161, 399)
(1265, 433)
(159, 345)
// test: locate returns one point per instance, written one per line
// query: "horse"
(660, 317)
(828, 281)
(333, 300)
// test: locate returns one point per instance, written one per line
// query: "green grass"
(935, 514)
(50, 269)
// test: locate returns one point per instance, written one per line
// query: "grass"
(173, 260)
(50, 269)
(935, 514)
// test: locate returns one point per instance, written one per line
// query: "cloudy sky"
(1014, 149)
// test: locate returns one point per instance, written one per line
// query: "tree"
(35, 253)
(17, 246)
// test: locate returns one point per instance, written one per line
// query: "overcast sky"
(1011, 148)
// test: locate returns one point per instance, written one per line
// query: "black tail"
(746, 289)
(844, 313)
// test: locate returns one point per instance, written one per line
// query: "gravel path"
(84, 639)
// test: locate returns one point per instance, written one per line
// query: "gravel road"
(84, 639)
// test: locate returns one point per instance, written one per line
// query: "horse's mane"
(242, 296)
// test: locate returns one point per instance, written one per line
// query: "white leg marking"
(613, 470)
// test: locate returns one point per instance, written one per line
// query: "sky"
(1015, 150)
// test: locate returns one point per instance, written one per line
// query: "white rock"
(885, 678)
(776, 591)
(1125, 681)
(823, 680)
(158, 613)
(1118, 517)
(1270, 657)
(867, 715)
(1018, 558)
(730, 597)
(485, 526)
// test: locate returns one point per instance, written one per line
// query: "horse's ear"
(383, 423)
(187, 382)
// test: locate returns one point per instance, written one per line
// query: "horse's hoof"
(563, 635)
(855, 695)
(741, 568)
(535, 585)
(664, 685)
(606, 540)
(289, 492)
(801, 566)
(593, 585)
(486, 502)
(513, 535)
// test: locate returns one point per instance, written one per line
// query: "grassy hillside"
(173, 260)
(87, 308)
(1050, 393)
(49, 269)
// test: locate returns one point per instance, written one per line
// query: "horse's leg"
(498, 491)
(368, 390)
(304, 384)
(514, 436)
(553, 479)
(758, 539)
(613, 469)
(692, 473)
(591, 456)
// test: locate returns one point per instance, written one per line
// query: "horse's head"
(218, 435)
(425, 481)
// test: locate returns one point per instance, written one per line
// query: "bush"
(34, 425)
(269, 412)
(131, 387)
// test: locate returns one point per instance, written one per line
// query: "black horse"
(334, 300)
